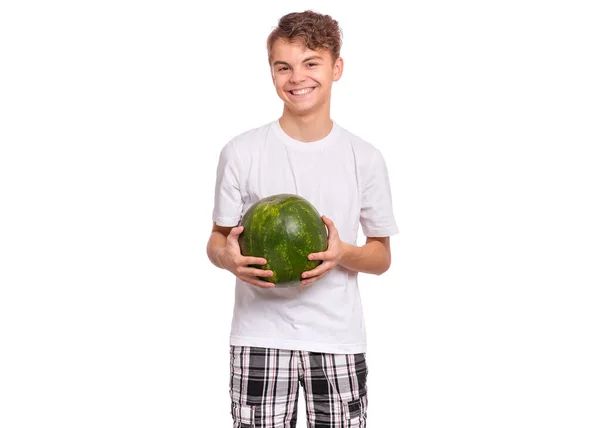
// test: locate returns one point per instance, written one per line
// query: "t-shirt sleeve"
(376, 213)
(228, 202)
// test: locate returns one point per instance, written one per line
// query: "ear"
(338, 69)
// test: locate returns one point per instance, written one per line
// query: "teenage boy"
(312, 335)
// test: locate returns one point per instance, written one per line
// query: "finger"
(313, 279)
(249, 260)
(310, 273)
(257, 282)
(323, 255)
(321, 269)
(256, 272)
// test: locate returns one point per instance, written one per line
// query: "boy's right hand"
(232, 259)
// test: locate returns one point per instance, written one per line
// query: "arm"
(376, 217)
(374, 257)
(217, 244)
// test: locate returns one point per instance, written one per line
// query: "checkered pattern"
(264, 388)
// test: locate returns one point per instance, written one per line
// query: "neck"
(306, 128)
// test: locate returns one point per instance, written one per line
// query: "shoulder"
(242, 145)
(364, 151)
(248, 140)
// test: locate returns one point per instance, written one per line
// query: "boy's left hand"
(331, 257)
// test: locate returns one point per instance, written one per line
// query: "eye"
(312, 63)
(282, 69)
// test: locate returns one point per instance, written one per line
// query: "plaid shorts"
(264, 388)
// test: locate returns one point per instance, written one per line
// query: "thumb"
(328, 222)
(236, 231)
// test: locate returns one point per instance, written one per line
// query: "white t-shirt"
(346, 179)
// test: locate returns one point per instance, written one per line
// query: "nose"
(297, 76)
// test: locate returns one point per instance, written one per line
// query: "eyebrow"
(310, 58)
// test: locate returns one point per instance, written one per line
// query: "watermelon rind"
(284, 229)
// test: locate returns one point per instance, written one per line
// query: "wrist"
(219, 257)
(344, 251)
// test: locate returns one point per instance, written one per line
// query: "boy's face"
(294, 67)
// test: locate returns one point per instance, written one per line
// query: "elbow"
(382, 271)
(384, 267)
(383, 258)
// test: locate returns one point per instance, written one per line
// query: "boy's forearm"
(373, 257)
(216, 244)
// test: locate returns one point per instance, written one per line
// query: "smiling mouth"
(301, 92)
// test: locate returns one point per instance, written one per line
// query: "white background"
(112, 115)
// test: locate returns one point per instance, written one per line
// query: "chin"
(302, 109)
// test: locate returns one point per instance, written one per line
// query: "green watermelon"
(284, 229)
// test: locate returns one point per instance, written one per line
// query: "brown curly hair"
(314, 30)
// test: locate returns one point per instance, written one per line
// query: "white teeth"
(302, 91)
